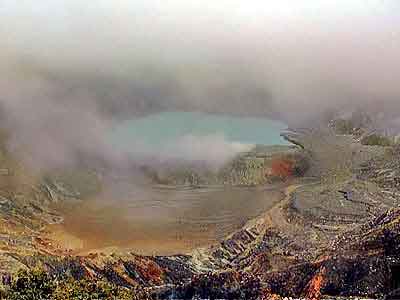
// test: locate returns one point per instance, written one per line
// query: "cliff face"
(262, 165)
(359, 262)
(26, 208)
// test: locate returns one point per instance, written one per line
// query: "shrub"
(88, 290)
(31, 285)
(36, 284)
(376, 140)
(301, 164)
(342, 126)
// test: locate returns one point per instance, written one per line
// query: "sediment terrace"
(161, 220)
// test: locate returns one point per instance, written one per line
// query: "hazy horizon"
(70, 70)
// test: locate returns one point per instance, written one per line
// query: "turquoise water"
(158, 129)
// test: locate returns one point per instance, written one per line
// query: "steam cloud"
(69, 69)
(211, 151)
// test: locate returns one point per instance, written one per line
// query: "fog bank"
(70, 70)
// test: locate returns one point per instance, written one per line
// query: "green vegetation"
(36, 284)
(244, 171)
(353, 125)
(342, 126)
(376, 140)
(31, 285)
(247, 169)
